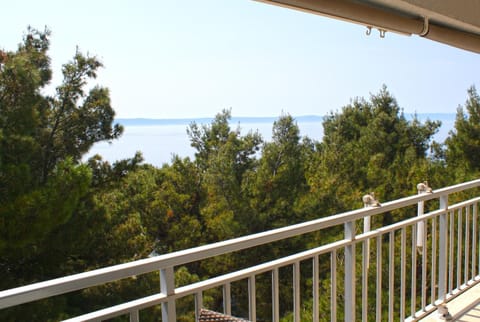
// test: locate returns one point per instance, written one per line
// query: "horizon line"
(257, 117)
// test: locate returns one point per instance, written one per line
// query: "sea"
(160, 140)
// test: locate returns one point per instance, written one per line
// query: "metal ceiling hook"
(426, 27)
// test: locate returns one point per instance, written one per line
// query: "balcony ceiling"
(452, 22)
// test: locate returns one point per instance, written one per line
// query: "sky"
(192, 58)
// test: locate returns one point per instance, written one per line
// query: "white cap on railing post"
(369, 200)
(422, 188)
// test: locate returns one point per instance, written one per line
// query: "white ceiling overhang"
(452, 22)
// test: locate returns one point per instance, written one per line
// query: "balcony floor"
(464, 308)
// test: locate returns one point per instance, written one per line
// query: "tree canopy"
(43, 138)
(463, 144)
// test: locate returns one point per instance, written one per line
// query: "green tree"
(276, 190)
(223, 156)
(45, 189)
(463, 144)
(371, 146)
(277, 184)
(177, 203)
(42, 140)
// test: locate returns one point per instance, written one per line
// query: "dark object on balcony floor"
(212, 316)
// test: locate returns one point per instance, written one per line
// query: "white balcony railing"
(410, 267)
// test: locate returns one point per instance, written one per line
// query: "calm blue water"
(159, 142)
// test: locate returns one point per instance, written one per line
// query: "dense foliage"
(60, 215)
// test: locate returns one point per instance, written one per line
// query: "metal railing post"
(442, 261)
(442, 250)
(420, 224)
(333, 286)
(369, 200)
(350, 272)
(275, 296)
(134, 316)
(296, 293)
(252, 302)
(227, 299)
(421, 238)
(167, 287)
(198, 304)
(315, 290)
(422, 188)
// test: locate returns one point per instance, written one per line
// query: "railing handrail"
(197, 287)
(104, 275)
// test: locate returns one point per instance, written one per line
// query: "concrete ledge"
(463, 308)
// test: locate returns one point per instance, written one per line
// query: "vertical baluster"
(421, 241)
(467, 244)
(402, 273)
(442, 250)
(227, 299)
(474, 241)
(167, 287)
(252, 302)
(424, 267)
(391, 273)
(477, 242)
(379, 279)
(315, 292)
(451, 257)
(365, 265)
(134, 316)
(433, 280)
(296, 292)
(350, 272)
(333, 288)
(198, 304)
(414, 274)
(275, 296)
(459, 248)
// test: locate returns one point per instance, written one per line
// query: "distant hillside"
(249, 120)
(432, 116)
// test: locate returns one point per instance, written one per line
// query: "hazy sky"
(193, 58)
